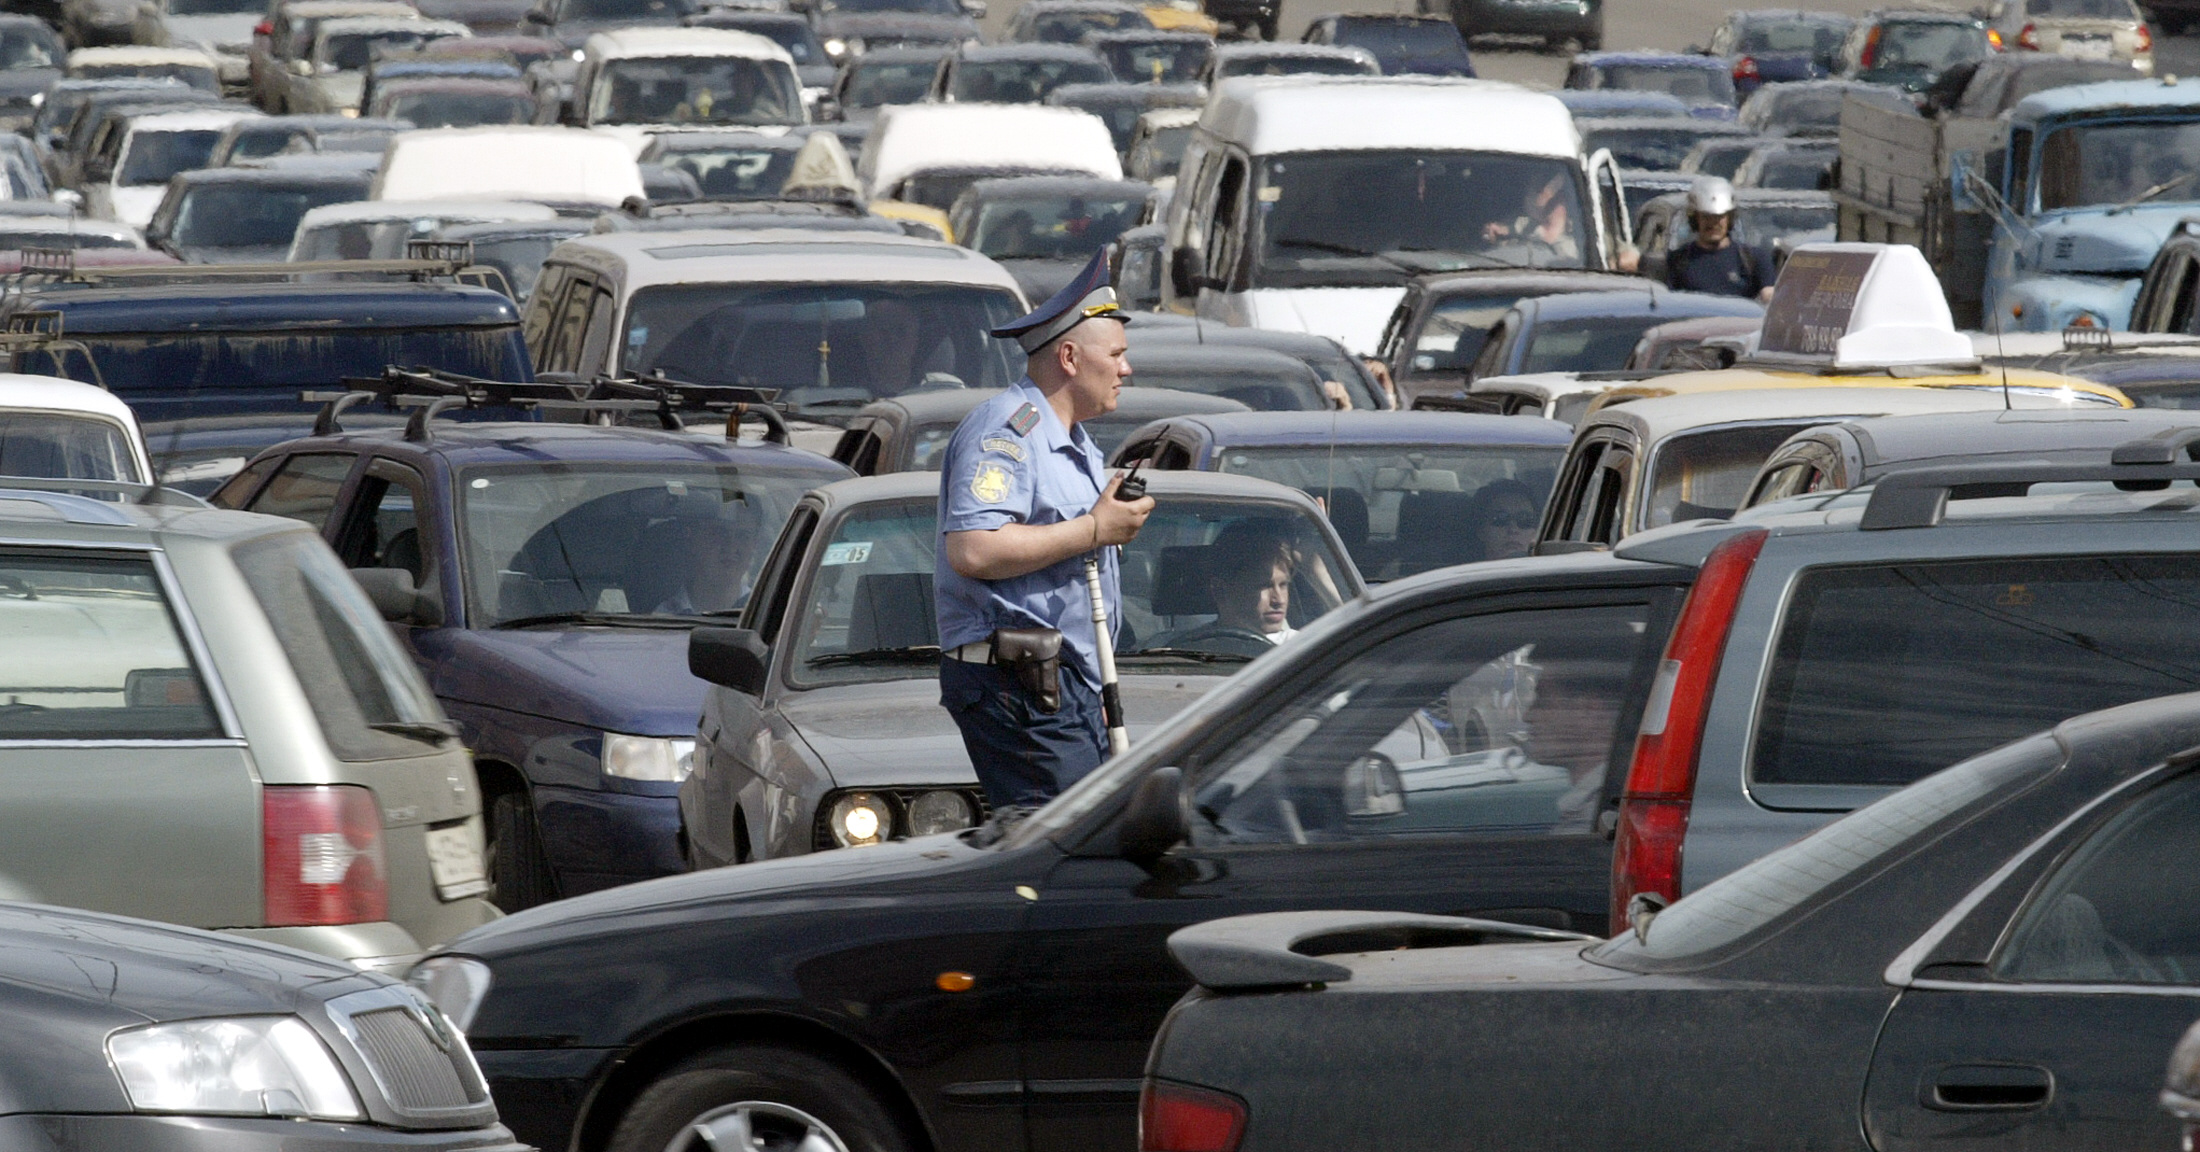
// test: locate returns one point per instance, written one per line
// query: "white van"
(634, 82)
(563, 167)
(1308, 203)
(928, 153)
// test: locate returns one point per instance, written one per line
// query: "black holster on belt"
(1034, 655)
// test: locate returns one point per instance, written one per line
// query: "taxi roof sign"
(1860, 306)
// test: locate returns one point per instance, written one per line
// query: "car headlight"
(836, 47)
(245, 1066)
(663, 759)
(932, 813)
(860, 818)
(37, 99)
(455, 984)
(579, 55)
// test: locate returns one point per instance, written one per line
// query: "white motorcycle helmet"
(1710, 196)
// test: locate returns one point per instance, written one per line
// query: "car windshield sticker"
(846, 552)
(990, 484)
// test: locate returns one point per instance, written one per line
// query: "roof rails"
(431, 392)
(425, 260)
(39, 330)
(1918, 497)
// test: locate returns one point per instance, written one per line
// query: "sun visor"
(1860, 306)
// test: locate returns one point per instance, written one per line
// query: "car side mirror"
(735, 658)
(69, 198)
(397, 598)
(1155, 821)
(1184, 271)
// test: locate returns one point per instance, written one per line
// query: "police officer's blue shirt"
(1011, 461)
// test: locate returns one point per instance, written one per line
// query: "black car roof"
(217, 307)
(498, 442)
(987, 53)
(1134, 400)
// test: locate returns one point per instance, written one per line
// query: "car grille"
(418, 1075)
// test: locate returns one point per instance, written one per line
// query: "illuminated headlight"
(579, 55)
(246, 1066)
(836, 47)
(37, 98)
(859, 819)
(663, 759)
(456, 984)
(932, 813)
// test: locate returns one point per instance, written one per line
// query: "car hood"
(1353, 317)
(897, 25)
(894, 732)
(632, 680)
(2093, 240)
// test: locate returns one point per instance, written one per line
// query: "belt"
(980, 652)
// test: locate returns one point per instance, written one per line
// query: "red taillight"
(1661, 782)
(321, 856)
(2029, 38)
(2146, 39)
(1745, 69)
(1180, 1118)
(264, 28)
(1871, 48)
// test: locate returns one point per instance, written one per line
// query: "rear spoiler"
(1284, 949)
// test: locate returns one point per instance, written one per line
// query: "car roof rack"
(425, 260)
(430, 392)
(1918, 497)
(39, 330)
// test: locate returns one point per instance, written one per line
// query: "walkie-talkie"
(1132, 487)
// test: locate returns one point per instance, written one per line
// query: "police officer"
(1716, 262)
(1024, 498)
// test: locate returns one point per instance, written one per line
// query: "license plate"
(2088, 47)
(454, 857)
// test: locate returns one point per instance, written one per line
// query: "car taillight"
(1993, 40)
(264, 28)
(1661, 782)
(1870, 54)
(1745, 69)
(321, 856)
(1176, 1117)
(2029, 38)
(2146, 39)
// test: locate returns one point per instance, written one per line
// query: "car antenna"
(2002, 358)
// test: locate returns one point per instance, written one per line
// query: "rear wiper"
(632, 619)
(433, 731)
(915, 653)
(1201, 655)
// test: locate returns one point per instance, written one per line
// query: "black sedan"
(2000, 956)
(998, 989)
(142, 1037)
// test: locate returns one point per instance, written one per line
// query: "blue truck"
(2038, 222)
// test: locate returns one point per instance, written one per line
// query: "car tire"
(758, 1097)
(519, 870)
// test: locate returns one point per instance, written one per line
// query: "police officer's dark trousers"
(1023, 755)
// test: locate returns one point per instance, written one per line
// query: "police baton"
(1111, 697)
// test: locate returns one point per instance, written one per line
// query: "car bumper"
(604, 839)
(35, 1133)
(539, 1091)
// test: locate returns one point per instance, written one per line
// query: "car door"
(389, 522)
(2058, 1040)
(1450, 759)
(305, 488)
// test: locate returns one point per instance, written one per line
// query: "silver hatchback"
(205, 721)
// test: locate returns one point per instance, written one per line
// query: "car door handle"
(1986, 1088)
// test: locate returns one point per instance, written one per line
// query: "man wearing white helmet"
(1716, 262)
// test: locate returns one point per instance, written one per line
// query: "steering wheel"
(1235, 641)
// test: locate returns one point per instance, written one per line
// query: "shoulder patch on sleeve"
(1004, 446)
(1024, 419)
(991, 484)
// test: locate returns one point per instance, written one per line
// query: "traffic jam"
(1098, 576)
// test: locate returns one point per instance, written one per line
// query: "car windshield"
(247, 215)
(1394, 40)
(94, 652)
(1717, 157)
(913, 7)
(1157, 62)
(1159, 155)
(1187, 604)
(1022, 81)
(1758, 225)
(213, 7)
(1795, 170)
(1821, 38)
(2081, 9)
(1380, 217)
(2089, 164)
(658, 542)
(1291, 65)
(11, 239)
(1071, 27)
(48, 444)
(734, 172)
(1739, 903)
(1651, 147)
(152, 157)
(1070, 227)
(1706, 474)
(1695, 85)
(25, 48)
(1268, 383)
(1456, 330)
(431, 109)
(1808, 109)
(1926, 47)
(827, 346)
(198, 76)
(797, 39)
(695, 90)
(353, 51)
(519, 257)
(875, 84)
(256, 143)
(1586, 343)
(1407, 508)
(644, 11)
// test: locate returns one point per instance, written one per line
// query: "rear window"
(1586, 345)
(93, 652)
(1708, 474)
(2081, 9)
(1695, 85)
(1887, 673)
(69, 447)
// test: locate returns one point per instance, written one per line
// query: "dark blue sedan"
(1590, 331)
(1406, 492)
(560, 568)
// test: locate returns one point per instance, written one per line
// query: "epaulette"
(1024, 419)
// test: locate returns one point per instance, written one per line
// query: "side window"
(1573, 487)
(1138, 450)
(2125, 907)
(2182, 284)
(239, 488)
(596, 343)
(1224, 237)
(1503, 725)
(542, 307)
(1172, 456)
(305, 488)
(562, 351)
(1600, 515)
(95, 653)
(2020, 169)
(1491, 360)
(384, 530)
(867, 451)
(777, 579)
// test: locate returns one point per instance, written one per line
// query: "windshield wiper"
(1199, 654)
(1482, 260)
(432, 731)
(2150, 194)
(630, 619)
(912, 654)
(1330, 246)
